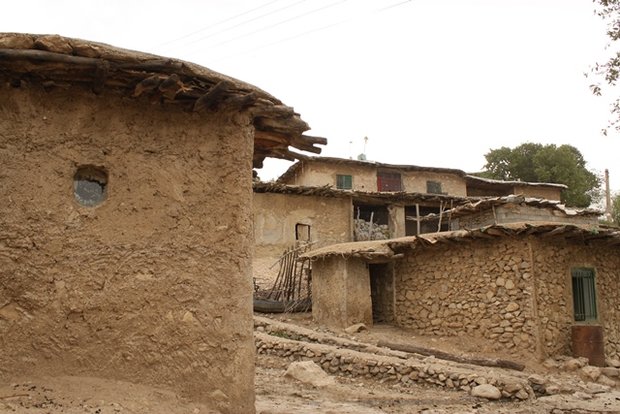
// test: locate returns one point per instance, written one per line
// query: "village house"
(521, 286)
(360, 176)
(370, 176)
(125, 226)
(326, 200)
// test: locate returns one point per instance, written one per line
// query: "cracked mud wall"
(153, 285)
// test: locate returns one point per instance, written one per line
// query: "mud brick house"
(286, 215)
(521, 286)
(370, 176)
(125, 222)
(419, 215)
(332, 200)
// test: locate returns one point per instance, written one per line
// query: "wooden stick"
(486, 362)
(6, 397)
(417, 215)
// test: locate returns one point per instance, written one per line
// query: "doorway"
(382, 292)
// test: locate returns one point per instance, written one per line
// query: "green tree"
(608, 71)
(615, 209)
(545, 163)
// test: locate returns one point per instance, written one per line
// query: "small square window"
(90, 185)
(584, 294)
(344, 182)
(433, 187)
(302, 232)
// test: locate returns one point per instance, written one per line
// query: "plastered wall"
(341, 292)
(275, 216)
(318, 173)
(153, 285)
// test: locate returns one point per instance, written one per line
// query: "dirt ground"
(278, 394)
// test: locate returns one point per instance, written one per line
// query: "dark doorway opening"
(381, 292)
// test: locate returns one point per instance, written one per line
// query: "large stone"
(512, 306)
(605, 380)
(356, 328)
(487, 391)
(54, 43)
(509, 285)
(611, 371)
(613, 363)
(573, 364)
(536, 379)
(309, 373)
(590, 372)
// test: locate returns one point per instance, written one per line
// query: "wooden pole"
(417, 218)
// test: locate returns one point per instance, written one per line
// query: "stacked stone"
(554, 294)
(298, 333)
(407, 372)
(364, 230)
(482, 291)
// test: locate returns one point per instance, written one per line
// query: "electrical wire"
(279, 23)
(217, 23)
(243, 22)
(377, 11)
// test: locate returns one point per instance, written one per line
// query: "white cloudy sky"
(430, 82)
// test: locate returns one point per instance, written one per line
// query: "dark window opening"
(90, 185)
(344, 182)
(433, 187)
(302, 232)
(584, 294)
(370, 222)
(427, 225)
(389, 181)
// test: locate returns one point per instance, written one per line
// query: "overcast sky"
(429, 82)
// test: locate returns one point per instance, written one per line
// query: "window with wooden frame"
(389, 181)
(584, 294)
(433, 187)
(344, 182)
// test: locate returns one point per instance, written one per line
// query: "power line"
(244, 22)
(280, 23)
(218, 23)
(377, 11)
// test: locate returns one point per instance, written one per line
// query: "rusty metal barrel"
(588, 342)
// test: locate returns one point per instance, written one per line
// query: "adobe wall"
(153, 285)
(275, 216)
(549, 193)
(319, 174)
(452, 184)
(480, 289)
(364, 178)
(341, 292)
(552, 263)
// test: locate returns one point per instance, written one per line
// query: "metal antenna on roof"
(362, 156)
(350, 150)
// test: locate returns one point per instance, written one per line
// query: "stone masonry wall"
(479, 288)
(553, 261)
